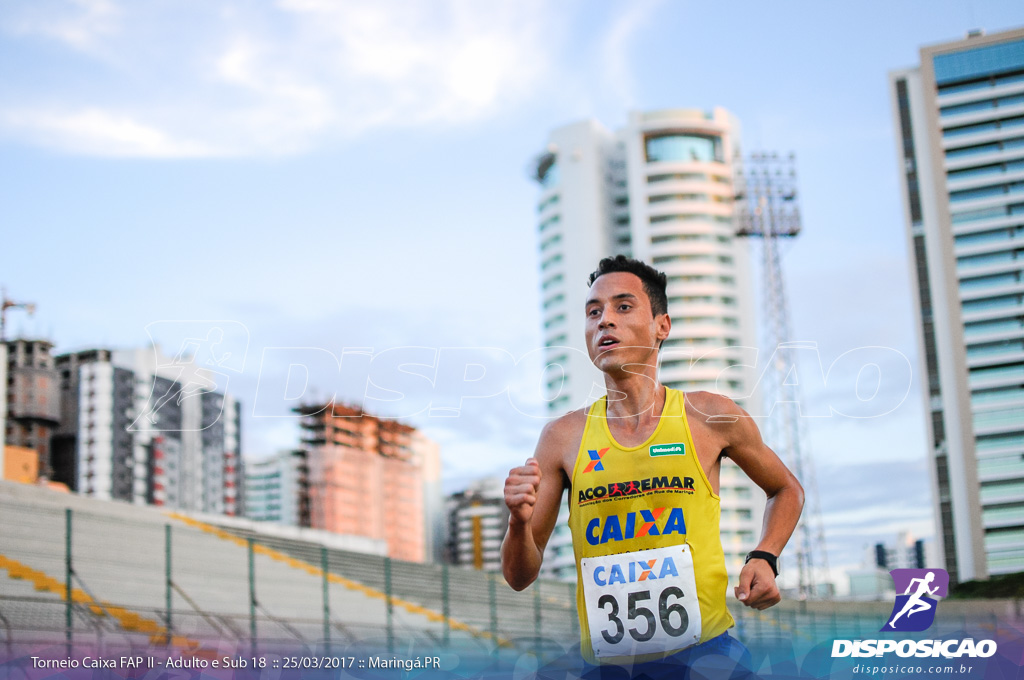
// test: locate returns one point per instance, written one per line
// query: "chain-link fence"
(139, 577)
(134, 577)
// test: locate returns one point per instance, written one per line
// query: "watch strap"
(772, 560)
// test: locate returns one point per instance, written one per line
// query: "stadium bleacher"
(120, 589)
(120, 586)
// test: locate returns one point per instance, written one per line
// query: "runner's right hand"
(521, 490)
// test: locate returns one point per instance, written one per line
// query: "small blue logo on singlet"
(595, 463)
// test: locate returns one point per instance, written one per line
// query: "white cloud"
(221, 80)
(450, 61)
(92, 131)
(79, 24)
(616, 46)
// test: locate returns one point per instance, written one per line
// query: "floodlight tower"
(766, 207)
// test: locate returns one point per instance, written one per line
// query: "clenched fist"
(757, 588)
(521, 490)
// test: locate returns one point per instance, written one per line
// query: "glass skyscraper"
(960, 123)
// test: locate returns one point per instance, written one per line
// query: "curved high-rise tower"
(661, 190)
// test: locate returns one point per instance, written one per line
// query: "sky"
(335, 181)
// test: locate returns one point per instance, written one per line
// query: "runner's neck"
(632, 405)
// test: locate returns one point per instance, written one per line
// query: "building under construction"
(373, 477)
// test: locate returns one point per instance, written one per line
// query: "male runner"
(642, 467)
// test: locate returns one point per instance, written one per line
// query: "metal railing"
(89, 580)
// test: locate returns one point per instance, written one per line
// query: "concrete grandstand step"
(469, 590)
(119, 557)
(293, 589)
(39, 615)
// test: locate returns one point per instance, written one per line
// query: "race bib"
(642, 602)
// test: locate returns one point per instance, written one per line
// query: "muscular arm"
(533, 493)
(785, 496)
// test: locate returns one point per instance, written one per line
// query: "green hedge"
(1005, 586)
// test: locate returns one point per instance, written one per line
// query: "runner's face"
(620, 327)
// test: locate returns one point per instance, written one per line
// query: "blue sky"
(354, 174)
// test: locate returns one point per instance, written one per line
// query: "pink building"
(373, 477)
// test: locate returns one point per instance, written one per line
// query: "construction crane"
(766, 207)
(11, 304)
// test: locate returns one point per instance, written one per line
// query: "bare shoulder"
(723, 417)
(713, 409)
(560, 440)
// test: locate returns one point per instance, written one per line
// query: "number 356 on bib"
(642, 602)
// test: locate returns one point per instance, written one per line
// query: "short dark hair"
(654, 281)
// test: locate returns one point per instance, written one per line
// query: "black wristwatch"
(772, 560)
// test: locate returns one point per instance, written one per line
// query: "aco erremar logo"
(916, 590)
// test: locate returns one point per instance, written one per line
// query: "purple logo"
(915, 605)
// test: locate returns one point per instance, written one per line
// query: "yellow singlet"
(651, 576)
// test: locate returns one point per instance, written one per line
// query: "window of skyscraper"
(986, 192)
(684, 148)
(979, 62)
(550, 177)
(991, 303)
(986, 170)
(986, 82)
(1014, 121)
(546, 171)
(981, 214)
